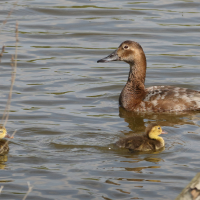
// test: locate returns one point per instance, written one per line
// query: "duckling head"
(128, 51)
(154, 130)
(3, 133)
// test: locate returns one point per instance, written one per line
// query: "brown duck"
(135, 97)
(150, 141)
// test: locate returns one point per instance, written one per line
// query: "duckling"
(3, 132)
(4, 148)
(135, 97)
(150, 141)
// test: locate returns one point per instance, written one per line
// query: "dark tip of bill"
(98, 61)
(102, 61)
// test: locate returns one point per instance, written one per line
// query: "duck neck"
(134, 90)
(160, 139)
(136, 78)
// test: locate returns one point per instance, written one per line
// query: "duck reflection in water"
(136, 121)
(3, 160)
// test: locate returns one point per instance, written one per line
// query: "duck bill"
(164, 132)
(8, 136)
(112, 57)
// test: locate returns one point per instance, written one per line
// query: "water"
(65, 105)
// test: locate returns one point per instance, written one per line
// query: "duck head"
(128, 51)
(154, 130)
(3, 133)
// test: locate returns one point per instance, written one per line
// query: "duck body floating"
(150, 141)
(135, 97)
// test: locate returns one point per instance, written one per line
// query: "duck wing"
(169, 98)
(132, 143)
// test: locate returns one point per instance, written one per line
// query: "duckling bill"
(150, 141)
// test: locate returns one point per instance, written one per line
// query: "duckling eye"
(126, 47)
(159, 128)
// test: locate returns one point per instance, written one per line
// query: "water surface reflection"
(65, 106)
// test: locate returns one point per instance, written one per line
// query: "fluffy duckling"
(3, 143)
(3, 133)
(150, 141)
(135, 97)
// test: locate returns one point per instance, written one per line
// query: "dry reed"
(29, 190)
(27, 193)
(2, 51)
(13, 76)
(1, 188)
(14, 68)
(9, 14)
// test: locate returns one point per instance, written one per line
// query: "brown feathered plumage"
(4, 148)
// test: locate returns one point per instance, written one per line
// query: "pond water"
(65, 104)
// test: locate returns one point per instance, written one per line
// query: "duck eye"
(126, 47)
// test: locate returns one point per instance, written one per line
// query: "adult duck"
(150, 141)
(135, 97)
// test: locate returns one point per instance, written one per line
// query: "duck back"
(169, 98)
(139, 143)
